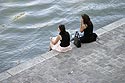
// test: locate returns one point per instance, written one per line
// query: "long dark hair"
(62, 29)
(86, 19)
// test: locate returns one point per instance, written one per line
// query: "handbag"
(77, 41)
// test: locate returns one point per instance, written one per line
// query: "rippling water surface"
(26, 25)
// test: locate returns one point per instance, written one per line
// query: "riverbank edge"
(28, 64)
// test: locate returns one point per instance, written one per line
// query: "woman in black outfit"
(61, 42)
(87, 27)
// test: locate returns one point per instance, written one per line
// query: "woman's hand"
(81, 21)
(86, 25)
(83, 26)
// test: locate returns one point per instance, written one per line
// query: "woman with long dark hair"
(87, 27)
(61, 42)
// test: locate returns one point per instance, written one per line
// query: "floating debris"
(19, 16)
(2, 25)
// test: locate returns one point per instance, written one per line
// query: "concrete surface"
(102, 61)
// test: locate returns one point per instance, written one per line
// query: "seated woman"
(61, 42)
(87, 28)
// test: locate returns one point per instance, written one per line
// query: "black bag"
(77, 41)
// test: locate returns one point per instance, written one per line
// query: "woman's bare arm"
(82, 26)
(57, 39)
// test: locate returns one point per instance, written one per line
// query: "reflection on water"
(26, 25)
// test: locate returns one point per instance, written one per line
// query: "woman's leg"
(82, 39)
(51, 44)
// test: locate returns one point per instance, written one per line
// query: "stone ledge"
(110, 27)
(100, 31)
(114, 25)
(25, 65)
(48, 55)
(4, 75)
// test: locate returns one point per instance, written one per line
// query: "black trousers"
(84, 39)
(89, 38)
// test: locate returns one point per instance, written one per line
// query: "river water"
(26, 25)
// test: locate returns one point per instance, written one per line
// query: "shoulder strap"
(77, 34)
